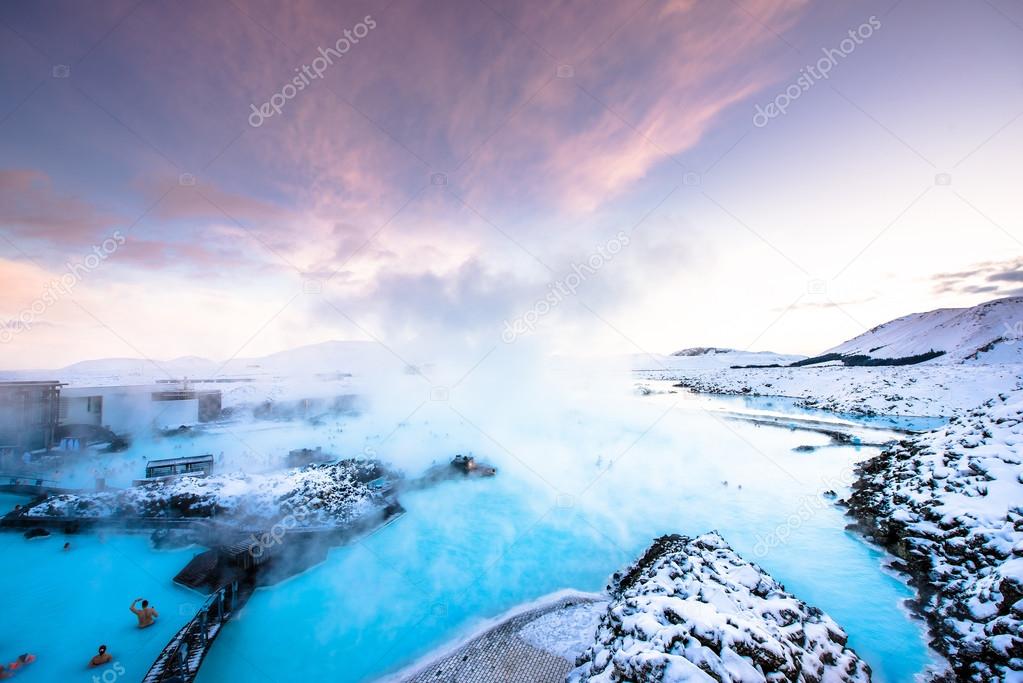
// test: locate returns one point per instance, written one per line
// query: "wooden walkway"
(180, 660)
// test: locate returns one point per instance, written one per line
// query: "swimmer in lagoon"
(147, 615)
(100, 658)
(21, 661)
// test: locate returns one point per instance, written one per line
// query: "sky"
(238, 177)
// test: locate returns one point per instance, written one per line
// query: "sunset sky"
(460, 159)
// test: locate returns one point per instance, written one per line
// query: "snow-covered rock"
(949, 503)
(326, 495)
(691, 609)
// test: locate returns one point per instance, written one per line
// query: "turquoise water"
(579, 495)
(469, 551)
(785, 404)
(61, 605)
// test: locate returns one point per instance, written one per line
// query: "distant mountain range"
(706, 351)
(989, 333)
(327, 359)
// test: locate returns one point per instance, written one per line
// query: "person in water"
(21, 661)
(147, 615)
(100, 658)
(67, 546)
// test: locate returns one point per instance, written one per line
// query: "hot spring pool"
(61, 605)
(468, 551)
(576, 498)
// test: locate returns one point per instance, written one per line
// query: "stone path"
(501, 655)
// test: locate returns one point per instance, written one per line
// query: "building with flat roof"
(29, 413)
(135, 409)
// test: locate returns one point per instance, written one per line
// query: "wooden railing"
(180, 660)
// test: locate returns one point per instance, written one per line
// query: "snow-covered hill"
(332, 358)
(991, 332)
(981, 355)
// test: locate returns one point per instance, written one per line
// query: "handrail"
(25, 478)
(180, 659)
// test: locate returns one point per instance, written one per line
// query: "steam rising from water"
(589, 471)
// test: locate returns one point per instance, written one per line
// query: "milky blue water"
(785, 404)
(576, 499)
(61, 605)
(469, 551)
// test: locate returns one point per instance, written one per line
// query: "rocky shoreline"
(947, 504)
(914, 390)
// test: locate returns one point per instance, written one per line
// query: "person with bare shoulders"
(100, 658)
(146, 616)
(22, 661)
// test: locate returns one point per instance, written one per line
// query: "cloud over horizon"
(436, 179)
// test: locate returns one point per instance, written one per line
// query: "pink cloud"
(655, 89)
(208, 200)
(30, 206)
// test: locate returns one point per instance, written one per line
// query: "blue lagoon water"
(469, 551)
(61, 605)
(576, 498)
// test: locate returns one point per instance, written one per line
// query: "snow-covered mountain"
(703, 351)
(991, 332)
(332, 358)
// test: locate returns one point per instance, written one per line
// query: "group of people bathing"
(145, 614)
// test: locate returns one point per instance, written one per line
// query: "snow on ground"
(949, 503)
(925, 389)
(325, 494)
(565, 632)
(982, 351)
(693, 610)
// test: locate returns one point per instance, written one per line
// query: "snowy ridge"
(691, 609)
(948, 503)
(987, 333)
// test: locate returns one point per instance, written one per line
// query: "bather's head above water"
(468, 465)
